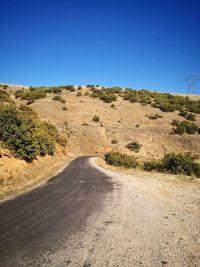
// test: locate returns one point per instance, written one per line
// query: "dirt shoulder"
(148, 220)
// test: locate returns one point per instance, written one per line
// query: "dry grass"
(17, 176)
(86, 137)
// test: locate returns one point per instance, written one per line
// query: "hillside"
(88, 137)
(121, 121)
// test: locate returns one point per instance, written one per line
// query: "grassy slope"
(86, 137)
(119, 123)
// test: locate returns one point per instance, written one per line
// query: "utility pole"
(191, 79)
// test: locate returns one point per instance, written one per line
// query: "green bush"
(54, 90)
(90, 86)
(180, 129)
(191, 127)
(79, 87)
(134, 146)
(4, 86)
(184, 127)
(118, 159)
(167, 107)
(61, 140)
(187, 116)
(96, 118)
(59, 98)
(18, 93)
(154, 117)
(68, 87)
(24, 134)
(151, 165)
(33, 95)
(108, 98)
(164, 101)
(175, 164)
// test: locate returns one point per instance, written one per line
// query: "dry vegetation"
(124, 121)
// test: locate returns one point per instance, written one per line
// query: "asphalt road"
(35, 223)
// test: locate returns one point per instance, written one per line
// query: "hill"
(96, 120)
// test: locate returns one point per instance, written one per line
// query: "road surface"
(82, 217)
(35, 223)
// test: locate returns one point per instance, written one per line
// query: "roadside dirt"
(147, 220)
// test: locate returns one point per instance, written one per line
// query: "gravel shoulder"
(147, 220)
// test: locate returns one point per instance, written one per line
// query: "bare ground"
(147, 220)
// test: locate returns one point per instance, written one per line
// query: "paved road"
(34, 224)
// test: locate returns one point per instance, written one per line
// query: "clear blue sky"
(140, 43)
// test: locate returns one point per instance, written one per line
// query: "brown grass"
(86, 137)
(17, 176)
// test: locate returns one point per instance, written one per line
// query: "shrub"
(114, 141)
(180, 129)
(25, 135)
(112, 106)
(108, 98)
(5, 86)
(137, 125)
(187, 116)
(68, 87)
(90, 85)
(191, 117)
(184, 126)
(118, 159)
(150, 165)
(58, 98)
(96, 118)
(191, 127)
(79, 94)
(18, 93)
(175, 164)
(61, 140)
(30, 101)
(64, 108)
(33, 95)
(175, 123)
(134, 146)
(79, 87)
(167, 107)
(154, 117)
(54, 90)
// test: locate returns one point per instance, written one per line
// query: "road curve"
(33, 224)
